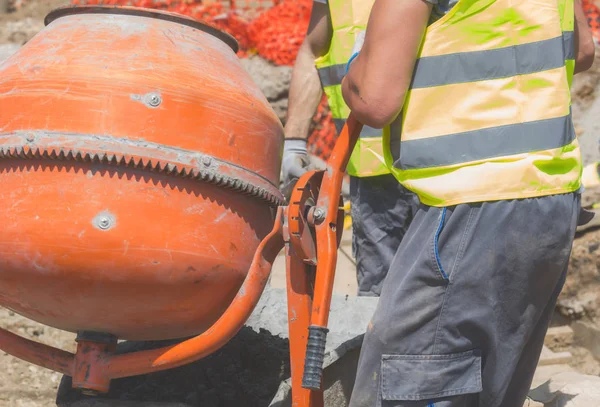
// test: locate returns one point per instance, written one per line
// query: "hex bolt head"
(104, 223)
(154, 100)
(206, 160)
(319, 215)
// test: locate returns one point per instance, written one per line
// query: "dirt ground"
(24, 385)
(21, 25)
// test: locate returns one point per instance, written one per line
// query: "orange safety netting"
(593, 16)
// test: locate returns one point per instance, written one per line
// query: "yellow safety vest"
(348, 18)
(487, 116)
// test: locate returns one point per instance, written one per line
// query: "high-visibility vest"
(487, 116)
(348, 18)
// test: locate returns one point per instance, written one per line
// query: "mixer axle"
(87, 369)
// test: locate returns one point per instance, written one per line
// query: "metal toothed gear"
(304, 198)
(200, 173)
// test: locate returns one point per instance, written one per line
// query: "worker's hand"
(295, 162)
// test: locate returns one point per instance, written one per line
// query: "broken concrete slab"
(568, 389)
(588, 336)
(545, 373)
(548, 357)
(349, 317)
(559, 337)
(532, 403)
(347, 323)
(338, 382)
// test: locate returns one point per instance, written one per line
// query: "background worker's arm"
(305, 93)
(379, 77)
(584, 44)
(305, 88)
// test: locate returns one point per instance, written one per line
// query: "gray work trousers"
(381, 210)
(466, 305)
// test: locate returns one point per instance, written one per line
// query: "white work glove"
(295, 160)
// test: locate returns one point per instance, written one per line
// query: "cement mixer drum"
(138, 164)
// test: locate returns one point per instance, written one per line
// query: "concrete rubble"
(347, 323)
(568, 389)
(588, 336)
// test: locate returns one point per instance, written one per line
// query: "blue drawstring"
(435, 245)
(350, 61)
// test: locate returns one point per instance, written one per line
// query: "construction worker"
(381, 208)
(476, 115)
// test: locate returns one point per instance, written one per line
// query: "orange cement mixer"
(139, 167)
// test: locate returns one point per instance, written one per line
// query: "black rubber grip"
(315, 354)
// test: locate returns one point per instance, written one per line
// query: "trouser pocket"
(451, 380)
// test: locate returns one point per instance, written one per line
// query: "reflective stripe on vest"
(470, 67)
(487, 115)
(348, 18)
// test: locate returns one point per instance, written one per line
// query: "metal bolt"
(154, 100)
(30, 138)
(104, 223)
(319, 215)
(206, 160)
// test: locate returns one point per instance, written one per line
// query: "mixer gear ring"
(163, 160)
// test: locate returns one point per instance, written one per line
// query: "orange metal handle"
(95, 365)
(37, 353)
(329, 200)
(327, 246)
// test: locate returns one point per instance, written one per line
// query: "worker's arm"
(305, 94)
(305, 87)
(379, 77)
(584, 44)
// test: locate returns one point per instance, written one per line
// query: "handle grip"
(315, 355)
